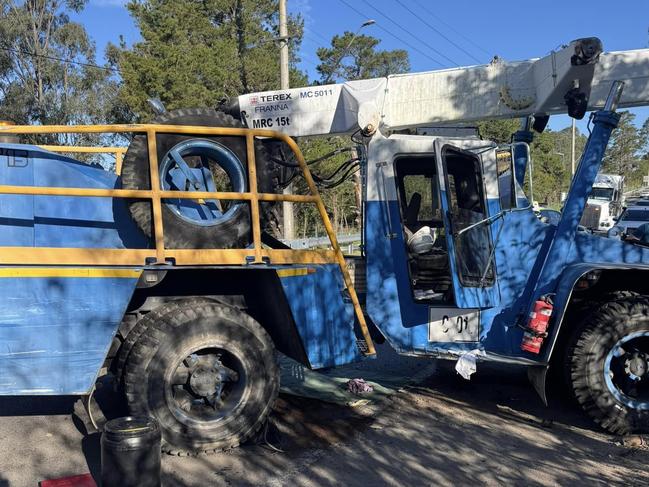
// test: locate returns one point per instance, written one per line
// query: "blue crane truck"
(168, 274)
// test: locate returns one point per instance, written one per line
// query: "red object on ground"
(84, 480)
(537, 326)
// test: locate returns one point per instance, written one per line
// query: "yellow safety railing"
(181, 257)
(117, 152)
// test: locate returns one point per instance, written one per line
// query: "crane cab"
(432, 228)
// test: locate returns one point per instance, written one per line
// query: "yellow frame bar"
(137, 257)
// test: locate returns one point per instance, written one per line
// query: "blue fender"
(565, 287)
(564, 291)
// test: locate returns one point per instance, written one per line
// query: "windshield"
(635, 215)
(602, 194)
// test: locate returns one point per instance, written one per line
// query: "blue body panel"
(60, 221)
(324, 320)
(55, 331)
(390, 303)
(404, 321)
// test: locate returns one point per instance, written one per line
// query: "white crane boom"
(574, 79)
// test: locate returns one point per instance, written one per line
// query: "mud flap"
(536, 375)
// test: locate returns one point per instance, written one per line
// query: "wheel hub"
(204, 380)
(626, 370)
(206, 384)
(636, 366)
(202, 165)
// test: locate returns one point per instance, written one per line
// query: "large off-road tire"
(578, 315)
(609, 363)
(136, 332)
(182, 361)
(233, 230)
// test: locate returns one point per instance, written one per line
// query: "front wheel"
(610, 365)
(207, 372)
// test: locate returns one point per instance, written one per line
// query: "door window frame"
(490, 277)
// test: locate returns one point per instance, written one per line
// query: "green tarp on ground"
(387, 373)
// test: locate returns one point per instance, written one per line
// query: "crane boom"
(573, 79)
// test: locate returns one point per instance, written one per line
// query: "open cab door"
(465, 211)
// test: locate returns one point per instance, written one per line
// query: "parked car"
(638, 202)
(630, 219)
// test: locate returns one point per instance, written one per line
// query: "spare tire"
(190, 162)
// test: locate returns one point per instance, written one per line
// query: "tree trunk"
(241, 44)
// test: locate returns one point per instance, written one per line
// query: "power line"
(315, 41)
(308, 59)
(317, 34)
(414, 48)
(450, 27)
(429, 25)
(53, 58)
(409, 33)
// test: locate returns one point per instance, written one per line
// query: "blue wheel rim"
(179, 173)
(625, 370)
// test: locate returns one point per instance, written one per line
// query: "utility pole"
(573, 147)
(287, 206)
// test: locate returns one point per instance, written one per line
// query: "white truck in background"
(605, 203)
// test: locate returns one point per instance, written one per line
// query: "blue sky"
(438, 33)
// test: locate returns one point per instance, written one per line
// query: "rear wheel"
(207, 372)
(609, 365)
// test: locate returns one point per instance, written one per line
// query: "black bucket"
(130, 453)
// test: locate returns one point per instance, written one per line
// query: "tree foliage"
(353, 57)
(194, 53)
(550, 174)
(500, 131)
(46, 75)
(623, 152)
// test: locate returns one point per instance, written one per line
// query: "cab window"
(467, 206)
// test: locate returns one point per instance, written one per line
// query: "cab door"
(465, 213)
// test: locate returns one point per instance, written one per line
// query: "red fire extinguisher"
(537, 325)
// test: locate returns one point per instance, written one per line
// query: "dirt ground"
(492, 430)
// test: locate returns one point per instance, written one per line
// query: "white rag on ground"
(466, 365)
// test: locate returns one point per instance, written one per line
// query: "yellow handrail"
(137, 257)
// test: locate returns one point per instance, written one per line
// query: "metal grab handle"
(380, 166)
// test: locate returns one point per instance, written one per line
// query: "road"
(492, 430)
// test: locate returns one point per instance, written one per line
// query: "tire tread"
(158, 331)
